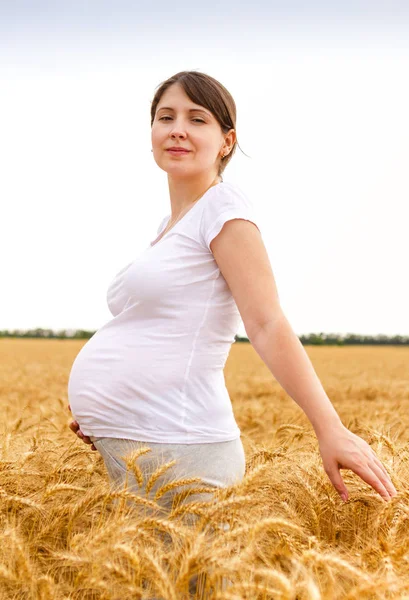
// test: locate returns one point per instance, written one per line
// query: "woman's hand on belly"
(74, 426)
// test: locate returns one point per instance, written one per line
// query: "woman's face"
(180, 122)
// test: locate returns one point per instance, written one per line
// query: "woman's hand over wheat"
(342, 449)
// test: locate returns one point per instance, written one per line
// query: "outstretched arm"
(243, 260)
(283, 353)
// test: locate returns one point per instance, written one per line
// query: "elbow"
(254, 330)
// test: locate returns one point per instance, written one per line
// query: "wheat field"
(67, 535)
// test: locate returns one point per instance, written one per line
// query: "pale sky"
(321, 93)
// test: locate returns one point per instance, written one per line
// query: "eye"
(195, 119)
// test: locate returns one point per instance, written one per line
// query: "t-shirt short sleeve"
(229, 202)
(162, 224)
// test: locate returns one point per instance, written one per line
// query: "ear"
(229, 140)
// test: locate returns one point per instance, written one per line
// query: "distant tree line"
(314, 339)
(348, 339)
(61, 334)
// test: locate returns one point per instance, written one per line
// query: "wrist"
(327, 424)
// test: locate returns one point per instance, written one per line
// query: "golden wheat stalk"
(7, 575)
(18, 501)
(142, 535)
(310, 589)
(270, 523)
(23, 567)
(105, 588)
(103, 532)
(132, 465)
(71, 558)
(276, 576)
(61, 487)
(226, 595)
(175, 483)
(159, 471)
(130, 553)
(291, 427)
(131, 496)
(190, 556)
(203, 508)
(248, 589)
(6, 445)
(366, 590)
(7, 465)
(197, 508)
(162, 581)
(265, 455)
(382, 437)
(16, 426)
(48, 528)
(250, 475)
(229, 503)
(88, 502)
(163, 524)
(45, 588)
(19, 471)
(70, 469)
(112, 524)
(180, 497)
(117, 571)
(72, 454)
(101, 585)
(335, 561)
(146, 528)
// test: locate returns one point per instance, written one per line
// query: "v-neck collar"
(160, 237)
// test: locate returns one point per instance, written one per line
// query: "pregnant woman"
(153, 374)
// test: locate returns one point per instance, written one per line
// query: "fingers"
(349, 451)
(337, 481)
(378, 462)
(371, 473)
(86, 439)
(83, 437)
(385, 479)
(74, 426)
(370, 476)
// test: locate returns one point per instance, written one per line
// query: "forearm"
(281, 350)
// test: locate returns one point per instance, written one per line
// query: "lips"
(181, 150)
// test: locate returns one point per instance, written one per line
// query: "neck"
(183, 191)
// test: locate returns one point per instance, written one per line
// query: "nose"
(177, 131)
(177, 134)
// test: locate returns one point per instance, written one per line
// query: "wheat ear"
(159, 471)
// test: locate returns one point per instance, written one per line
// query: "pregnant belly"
(112, 389)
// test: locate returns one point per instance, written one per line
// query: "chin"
(177, 170)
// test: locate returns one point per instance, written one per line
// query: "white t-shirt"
(155, 371)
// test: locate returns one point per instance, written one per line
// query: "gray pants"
(218, 464)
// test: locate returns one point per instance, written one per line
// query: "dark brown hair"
(206, 91)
